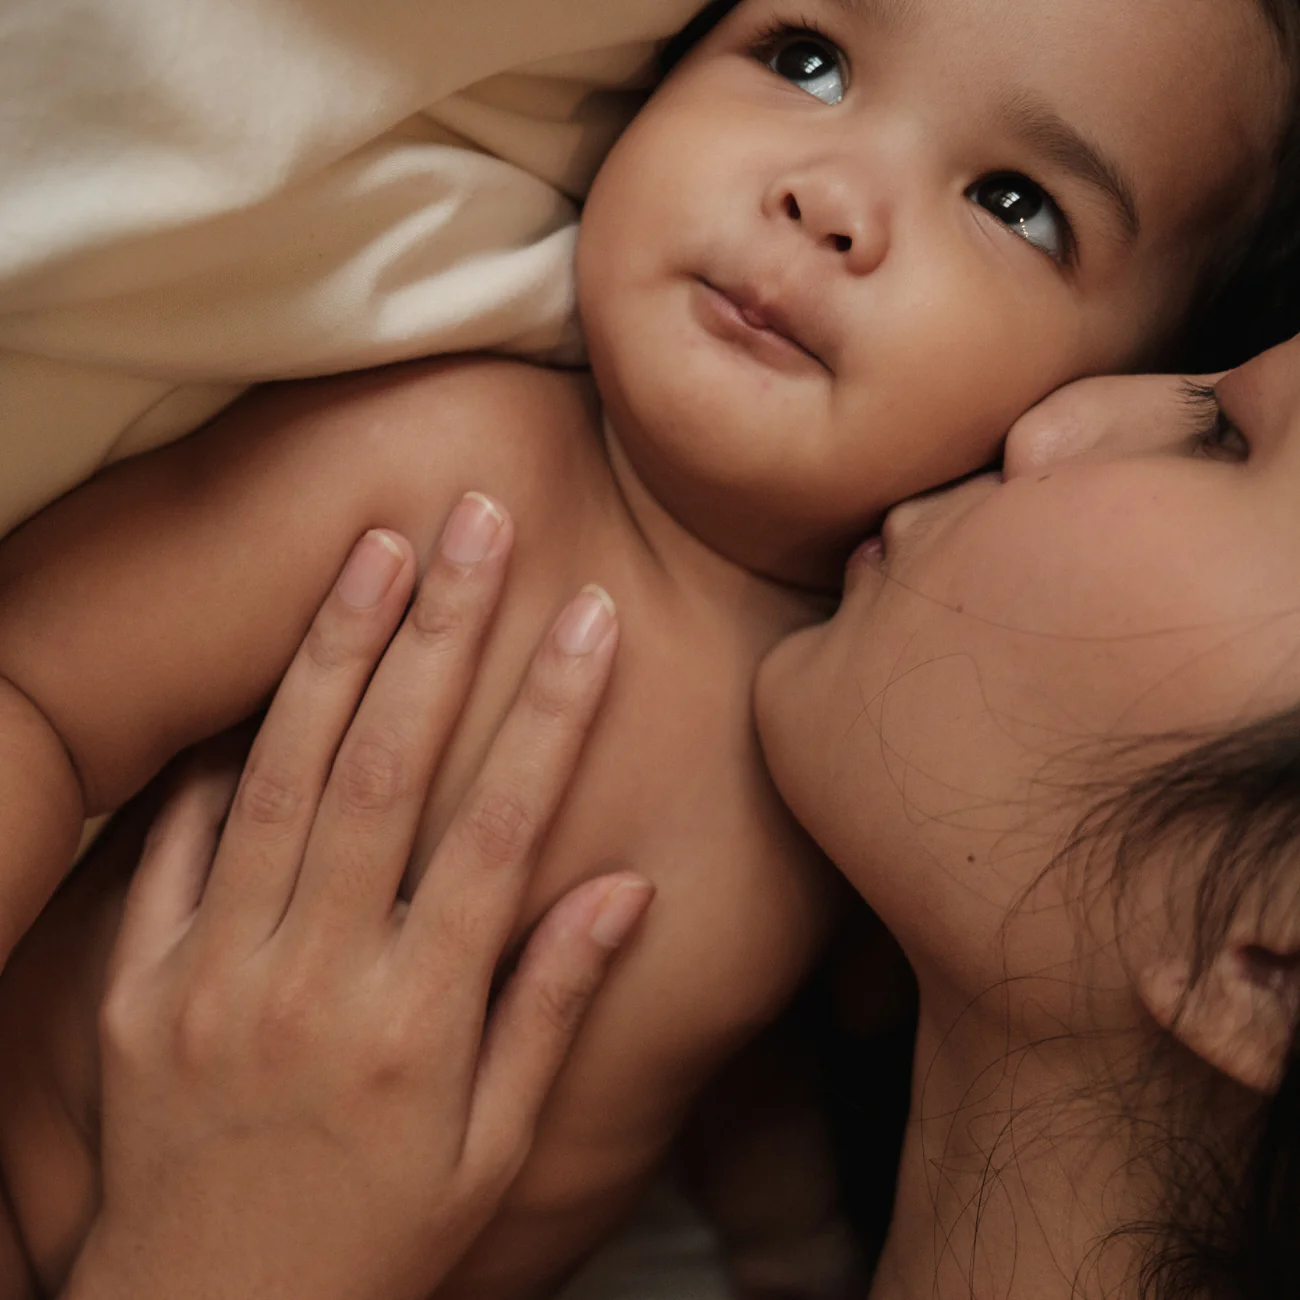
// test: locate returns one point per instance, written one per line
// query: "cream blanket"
(199, 194)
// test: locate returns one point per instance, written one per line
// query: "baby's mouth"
(768, 321)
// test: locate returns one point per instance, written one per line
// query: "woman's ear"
(1241, 1014)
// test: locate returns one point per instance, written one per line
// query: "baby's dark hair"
(1228, 812)
(1251, 301)
(694, 32)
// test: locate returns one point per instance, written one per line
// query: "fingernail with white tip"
(586, 623)
(375, 561)
(619, 911)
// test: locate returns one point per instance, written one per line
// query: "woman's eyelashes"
(1214, 435)
(806, 59)
(1023, 206)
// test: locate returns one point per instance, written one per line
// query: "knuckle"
(268, 797)
(122, 1028)
(371, 775)
(325, 648)
(500, 826)
(201, 1032)
(437, 618)
(397, 1046)
(288, 1019)
(560, 1006)
(551, 693)
(462, 931)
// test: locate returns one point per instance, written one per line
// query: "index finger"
(261, 850)
(468, 901)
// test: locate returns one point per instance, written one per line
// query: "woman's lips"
(753, 329)
(901, 521)
(866, 564)
(869, 551)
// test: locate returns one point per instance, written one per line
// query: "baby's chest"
(669, 764)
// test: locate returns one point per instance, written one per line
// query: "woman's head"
(842, 249)
(1053, 732)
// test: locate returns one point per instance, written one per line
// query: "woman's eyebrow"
(1045, 131)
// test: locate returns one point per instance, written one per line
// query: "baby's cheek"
(959, 379)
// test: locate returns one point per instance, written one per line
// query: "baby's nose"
(835, 210)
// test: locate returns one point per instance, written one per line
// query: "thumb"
(540, 1011)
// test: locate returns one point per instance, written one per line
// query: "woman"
(1051, 736)
(1048, 736)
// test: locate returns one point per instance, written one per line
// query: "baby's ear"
(1241, 1014)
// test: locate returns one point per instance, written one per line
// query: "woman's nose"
(833, 207)
(1106, 417)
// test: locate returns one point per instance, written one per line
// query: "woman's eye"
(1025, 207)
(809, 62)
(1215, 435)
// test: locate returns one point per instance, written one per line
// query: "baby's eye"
(808, 61)
(1028, 209)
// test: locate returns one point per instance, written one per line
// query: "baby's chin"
(754, 517)
(763, 486)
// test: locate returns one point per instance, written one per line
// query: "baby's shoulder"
(402, 442)
(489, 403)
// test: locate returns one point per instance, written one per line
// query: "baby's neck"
(681, 552)
(1018, 1177)
(686, 524)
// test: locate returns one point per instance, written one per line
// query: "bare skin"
(801, 305)
(671, 784)
(309, 1085)
(1130, 576)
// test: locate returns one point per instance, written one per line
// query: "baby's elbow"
(42, 809)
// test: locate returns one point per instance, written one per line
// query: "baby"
(842, 248)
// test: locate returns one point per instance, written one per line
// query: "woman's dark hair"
(1253, 302)
(1228, 811)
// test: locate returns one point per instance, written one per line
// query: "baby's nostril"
(842, 243)
(792, 207)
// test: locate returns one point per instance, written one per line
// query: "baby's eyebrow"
(1044, 130)
(885, 13)
(1036, 123)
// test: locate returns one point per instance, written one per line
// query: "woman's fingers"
(169, 881)
(468, 900)
(371, 807)
(275, 804)
(540, 1011)
(221, 1073)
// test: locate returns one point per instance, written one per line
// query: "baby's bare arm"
(159, 603)
(41, 812)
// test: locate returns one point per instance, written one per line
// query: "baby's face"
(848, 243)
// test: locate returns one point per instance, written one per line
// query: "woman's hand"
(304, 1092)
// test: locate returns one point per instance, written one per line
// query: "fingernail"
(370, 570)
(473, 527)
(620, 910)
(586, 622)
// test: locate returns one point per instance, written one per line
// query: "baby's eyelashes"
(806, 59)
